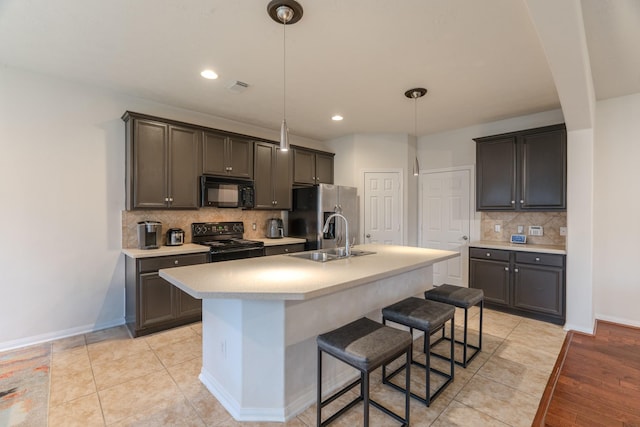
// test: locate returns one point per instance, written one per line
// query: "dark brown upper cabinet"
(312, 167)
(522, 171)
(162, 164)
(272, 175)
(227, 156)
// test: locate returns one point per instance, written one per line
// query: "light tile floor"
(106, 378)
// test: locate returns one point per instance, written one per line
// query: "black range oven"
(225, 240)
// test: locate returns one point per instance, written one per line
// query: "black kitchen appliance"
(226, 193)
(225, 240)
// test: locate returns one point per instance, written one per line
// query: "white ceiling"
(480, 60)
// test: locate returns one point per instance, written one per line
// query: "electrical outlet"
(535, 230)
(520, 229)
(254, 226)
(563, 231)
(497, 228)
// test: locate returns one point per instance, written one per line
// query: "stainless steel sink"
(329, 254)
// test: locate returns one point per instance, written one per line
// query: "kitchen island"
(260, 318)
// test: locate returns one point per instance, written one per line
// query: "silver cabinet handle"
(166, 199)
(513, 202)
(176, 262)
(537, 259)
(515, 270)
(488, 253)
(522, 202)
(506, 269)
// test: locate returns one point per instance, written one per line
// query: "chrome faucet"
(347, 250)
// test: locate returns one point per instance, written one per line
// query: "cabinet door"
(544, 171)
(493, 278)
(187, 306)
(539, 289)
(304, 166)
(149, 157)
(183, 167)
(155, 299)
(263, 175)
(324, 168)
(213, 153)
(496, 174)
(282, 180)
(240, 154)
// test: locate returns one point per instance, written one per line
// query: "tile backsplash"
(183, 219)
(509, 222)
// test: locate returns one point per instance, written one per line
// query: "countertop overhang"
(284, 277)
(526, 247)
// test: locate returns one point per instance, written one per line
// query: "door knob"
(368, 236)
(465, 238)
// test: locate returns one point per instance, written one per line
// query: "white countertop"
(549, 249)
(281, 241)
(187, 248)
(284, 277)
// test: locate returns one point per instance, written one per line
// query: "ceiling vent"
(237, 86)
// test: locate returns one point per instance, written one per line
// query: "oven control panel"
(216, 228)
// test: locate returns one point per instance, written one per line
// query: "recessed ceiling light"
(209, 74)
(337, 118)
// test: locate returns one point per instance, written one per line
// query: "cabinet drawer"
(494, 254)
(154, 264)
(540, 259)
(283, 249)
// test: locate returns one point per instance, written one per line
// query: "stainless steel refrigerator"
(311, 208)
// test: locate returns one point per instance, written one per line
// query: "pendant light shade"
(414, 94)
(284, 136)
(285, 12)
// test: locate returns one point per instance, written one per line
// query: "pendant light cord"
(284, 70)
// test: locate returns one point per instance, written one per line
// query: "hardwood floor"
(596, 380)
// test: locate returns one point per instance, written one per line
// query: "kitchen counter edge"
(187, 248)
(279, 242)
(527, 247)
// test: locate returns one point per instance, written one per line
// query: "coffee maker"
(149, 234)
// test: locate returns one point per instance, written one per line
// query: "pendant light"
(414, 94)
(285, 12)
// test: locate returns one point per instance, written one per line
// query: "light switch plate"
(535, 230)
(563, 231)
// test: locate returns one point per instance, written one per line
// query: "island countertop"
(284, 277)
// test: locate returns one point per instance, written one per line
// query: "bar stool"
(365, 345)
(429, 317)
(465, 298)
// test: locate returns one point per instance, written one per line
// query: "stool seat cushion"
(420, 314)
(364, 343)
(455, 295)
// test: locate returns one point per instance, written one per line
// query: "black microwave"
(226, 193)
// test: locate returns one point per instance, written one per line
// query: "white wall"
(62, 185)
(616, 229)
(383, 152)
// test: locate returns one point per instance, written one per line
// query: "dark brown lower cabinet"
(152, 303)
(531, 284)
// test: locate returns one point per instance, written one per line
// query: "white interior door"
(383, 208)
(445, 221)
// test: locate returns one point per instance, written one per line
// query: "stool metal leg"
(365, 390)
(319, 390)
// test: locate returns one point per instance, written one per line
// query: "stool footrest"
(341, 392)
(348, 406)
(464, 364)
(426, 400)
